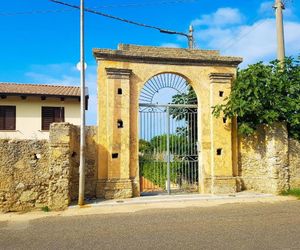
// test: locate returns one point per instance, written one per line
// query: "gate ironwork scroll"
(168, 154)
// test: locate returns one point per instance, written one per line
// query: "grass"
(45, 209)
(292, 192)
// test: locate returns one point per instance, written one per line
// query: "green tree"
(178, 144)
(145, 146)
(264, 94)
(190, 115)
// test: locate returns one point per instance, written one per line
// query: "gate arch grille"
(168, 148)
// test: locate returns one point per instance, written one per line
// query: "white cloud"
(254, 42)
(221, 18)
(266, 8)
(67, 74)
(170, 45)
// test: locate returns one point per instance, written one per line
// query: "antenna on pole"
(279, 7)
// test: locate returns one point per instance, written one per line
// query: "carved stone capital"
(221, 77)
(115, 73)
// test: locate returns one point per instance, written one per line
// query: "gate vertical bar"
(168, 150)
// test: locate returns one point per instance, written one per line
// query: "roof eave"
(40, 94)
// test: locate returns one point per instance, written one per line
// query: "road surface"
(256, 225)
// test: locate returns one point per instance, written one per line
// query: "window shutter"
(62, 114)
(52, 114)
(2, 118)
(7, 118)
(10, 118)
(59, 114)
(47, 118)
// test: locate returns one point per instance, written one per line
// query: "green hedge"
(156, 172)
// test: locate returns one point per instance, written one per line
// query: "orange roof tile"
(39, 89)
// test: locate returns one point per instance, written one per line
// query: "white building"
(27, 110)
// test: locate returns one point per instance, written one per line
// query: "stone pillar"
(221, 179)
(117, 144)
(277, 161)
(60, 164)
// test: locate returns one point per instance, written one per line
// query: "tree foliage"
(264, 94)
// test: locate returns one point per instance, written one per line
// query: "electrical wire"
(234, 41)
(32, 12)
(144, 4)
(231, 42)
(122, 19)
(97, 7)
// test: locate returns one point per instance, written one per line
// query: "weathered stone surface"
(166, 55)
(128, 69)
(90, 162)
(23, 175)
(263, 160)
(294, 163)
(220, 185)
(34, 174)
(118, 189)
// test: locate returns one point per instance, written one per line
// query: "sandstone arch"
(122, 74)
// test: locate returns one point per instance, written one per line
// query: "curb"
(173, 198)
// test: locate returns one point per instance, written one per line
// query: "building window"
(52, 114)
(7, 117)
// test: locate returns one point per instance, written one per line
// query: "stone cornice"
(221, 77)
(157, 55)
(116, 73)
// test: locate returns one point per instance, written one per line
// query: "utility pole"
(191, 37)
(279, 6)
(82, 109)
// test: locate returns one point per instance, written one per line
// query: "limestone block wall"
(294, 163)
(40, 173)
(90, 162)
(263, 160)
(59, 165)
(24, 176)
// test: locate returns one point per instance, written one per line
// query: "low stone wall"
(40, 173)
(91, 157)
(294, 163)
(269, 161)
(24, 175)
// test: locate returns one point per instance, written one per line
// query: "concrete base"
(220, 185)
(100, 192)
(262, 184)
(135, 187)
(118, 189)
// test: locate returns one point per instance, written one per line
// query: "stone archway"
(168, 135)
(122, 74)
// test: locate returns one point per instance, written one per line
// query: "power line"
(123, 19)
(145, 4)
(32, 12)
(234, 41)
(231, 42)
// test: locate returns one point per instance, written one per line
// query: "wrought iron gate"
(168, 154)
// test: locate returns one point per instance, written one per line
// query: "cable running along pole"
(279, 6)
(82, 109)
(189, 36)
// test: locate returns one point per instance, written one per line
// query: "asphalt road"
(230, 226)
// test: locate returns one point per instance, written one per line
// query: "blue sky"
(43, 47)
